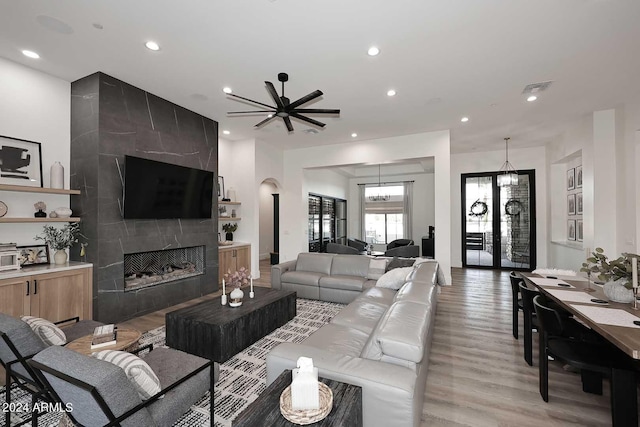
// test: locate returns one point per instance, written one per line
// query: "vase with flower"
(616, 273)
(236, 280)
(229, 228)
(60, 240)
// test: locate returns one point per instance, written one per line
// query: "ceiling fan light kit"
(508, 175)
(284, 108)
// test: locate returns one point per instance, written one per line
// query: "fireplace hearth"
(152, 268)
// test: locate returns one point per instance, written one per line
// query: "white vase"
(616, 292)
(60, 257)
(56, 179)
(235, 297)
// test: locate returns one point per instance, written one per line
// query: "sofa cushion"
(378, 295)
(48, 332)
(338, 339)
(302, 277)
(400, 262)
(361, 314)
(142, 377)
(314, 262)
(419, 292)
(394, 279)
(377, 267)
(343, 265)
(401, 334)
(351, 283)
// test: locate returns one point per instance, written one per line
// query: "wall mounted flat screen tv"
(157, 190)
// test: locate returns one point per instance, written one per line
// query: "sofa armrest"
(277, 270)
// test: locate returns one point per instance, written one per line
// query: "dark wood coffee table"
(218, 332)
(265, 410)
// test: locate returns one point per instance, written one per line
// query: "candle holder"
(252, 294)
(223, 299)
(589, 288)
(635, 298)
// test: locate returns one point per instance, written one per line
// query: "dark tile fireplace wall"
(111, 119)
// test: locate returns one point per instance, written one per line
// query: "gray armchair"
(101, 394)
(399, 242)
(337, 248)
(358, 244)
(409, 251)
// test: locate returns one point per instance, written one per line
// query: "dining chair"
(530, 320)
(516, 302)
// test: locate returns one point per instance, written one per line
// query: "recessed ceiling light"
(30, 54)
(227, 90)
(226, 132)
(391, 93)
(151, 45)
(353, 135)
(464, 119)
(532, 98)
(373, 51)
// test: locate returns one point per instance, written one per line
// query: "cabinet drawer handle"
(35, 286)
(27, 288)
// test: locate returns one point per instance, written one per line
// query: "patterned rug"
(242, 378)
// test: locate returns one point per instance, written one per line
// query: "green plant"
(609, 270)
(60, 238)
(230, 227)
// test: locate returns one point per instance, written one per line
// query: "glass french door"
(498, 223)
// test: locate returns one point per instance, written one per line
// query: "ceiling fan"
(286, 109)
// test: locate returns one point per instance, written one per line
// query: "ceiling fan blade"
(305, 99)
(287, 121)
(316, 111)
(307, 119)
(254, 111)
(265, 121)
(250, 100)
(272, 91)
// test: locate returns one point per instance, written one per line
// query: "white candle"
(251, 283)
(223, 287)
(634, 272)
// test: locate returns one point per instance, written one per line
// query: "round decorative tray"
(307, 416)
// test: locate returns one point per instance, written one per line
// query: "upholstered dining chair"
(101, 394)
(337, 248)
(516, 302)
(530, 320)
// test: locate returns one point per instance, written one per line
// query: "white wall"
(423, 204)
(490, 161)
(294, 207)
(266, 190)
(37, 107)
(327, 183)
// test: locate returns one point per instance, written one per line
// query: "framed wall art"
(571, 204)
(579, 177)
(571, 179)
(571, 229)
(20, 162)
(33, 255)
(579, 231)
(579, 203)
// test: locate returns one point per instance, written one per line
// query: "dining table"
(616, 322)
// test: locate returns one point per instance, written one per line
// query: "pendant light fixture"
(508, 175)
(379, 197)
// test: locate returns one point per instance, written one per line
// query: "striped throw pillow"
(140, 374)
(48, 332)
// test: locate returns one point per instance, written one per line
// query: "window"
(385, 214)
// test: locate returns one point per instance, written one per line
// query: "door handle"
(27, 288)
(35, 286)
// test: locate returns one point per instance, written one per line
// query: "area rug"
(242, 378)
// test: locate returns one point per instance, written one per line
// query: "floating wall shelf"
(26, 189)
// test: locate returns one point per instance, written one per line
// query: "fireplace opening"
(144, 269)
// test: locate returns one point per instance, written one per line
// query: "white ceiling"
(446, 59)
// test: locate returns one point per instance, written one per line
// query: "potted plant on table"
(615, 273)
(60, 240)
(229, 228)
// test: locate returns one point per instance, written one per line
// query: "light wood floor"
(477, 374)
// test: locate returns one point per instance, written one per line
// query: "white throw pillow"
(140, 374)
(394, 279)
(377, 267)
(47, 331)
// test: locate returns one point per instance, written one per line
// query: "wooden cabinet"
(53, 296)
(232, 259)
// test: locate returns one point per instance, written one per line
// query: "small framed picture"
(579, 177)
(571, 204)
(33, 255)
(571, 229)
(221, 193)
(579, 232)
(20, 162)
(579, 203)
(571, 179)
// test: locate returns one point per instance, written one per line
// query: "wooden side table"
(265, 410)
(125, 339)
